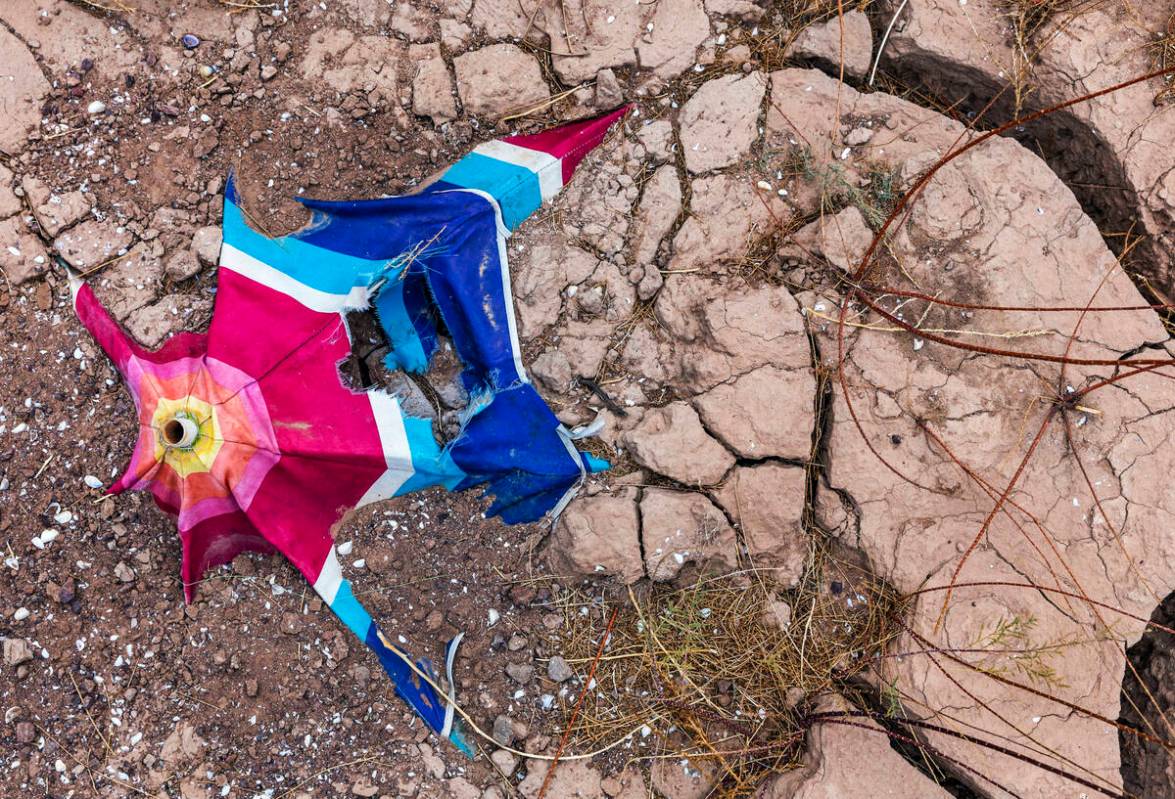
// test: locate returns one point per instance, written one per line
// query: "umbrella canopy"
(249, 437)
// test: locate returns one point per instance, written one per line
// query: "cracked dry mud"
(686, 287)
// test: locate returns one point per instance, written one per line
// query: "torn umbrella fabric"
(249, 437)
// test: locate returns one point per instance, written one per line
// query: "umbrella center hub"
(180, 432)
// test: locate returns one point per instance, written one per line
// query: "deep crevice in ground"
(1147, 765)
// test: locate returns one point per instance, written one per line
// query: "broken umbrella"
(251, 440)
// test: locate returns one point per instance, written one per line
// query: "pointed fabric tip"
(570, 143)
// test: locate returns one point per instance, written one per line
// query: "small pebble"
(21, 614)
(95, 108)
(190, 41)
(91, 481)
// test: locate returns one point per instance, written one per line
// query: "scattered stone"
(91, 243)
(124, 573)
(521, 673)
(22, 255)
(432, 86)
(680, 527)
(721, 121)
(574, 779)
(268, 72)
(206, 243)
(26, 733)
(499, 79)
(503, 730)
(609, 93)
(671, 441)
(598, 536)
(21, 92)
(678, 28)
(55, 212)
(182, 265)
(558, 669)
(657, 138)
(553, 371)
(17, 651)
(822, 42)
(659, 208)
(505, 761)
(767, 500)
(95, 108)
(850, 761)
(683, 778)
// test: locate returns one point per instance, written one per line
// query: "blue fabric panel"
(347, 608)
(515, 188)
(413, 690)
(513, 446)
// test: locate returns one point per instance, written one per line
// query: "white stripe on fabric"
(246, 265)
(329, 578)
(546, 167)
(511, 324)
(569, 494)
(389, 421)
(451, 705)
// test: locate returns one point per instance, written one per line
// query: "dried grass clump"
(717, 673)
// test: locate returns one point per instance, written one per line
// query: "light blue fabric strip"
(347, 608)
(515, 188)
(325, 270)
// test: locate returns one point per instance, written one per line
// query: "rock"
(659, 207)
(346, 63)
(671, 441)
(129, 283)
(432, 85)
(599, 535)
(558, 670)
(182, 265)
(609, 93)
(841, 238)
(778, 615)
(720, 121)
(587, 37)
(553, 371)
(725, 217)
(1120, 139)
(503, 730)
(55, 212)
(680, 527)
(683, 778)
(499, 79)
(363, 787)
(152, 324)
(26, 733)
(542, 274)
(22, 256)
(412, 22)
(91, 243)
(521, 673)
(22, 86)
(1030, 246)
(708, 331)
(741, 9)
(9, 202)
(206, 243)
(17, 651)
(678, 29)
(744, 413)
(124, 573)
(574, 779)
(184, 745)
(822, 41)
(505, 761)
(503, 19)
(845, 760)
(268, 72)
(767, 500)
(657, 138)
